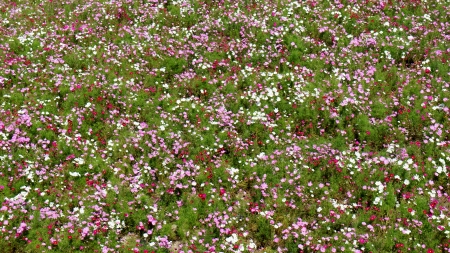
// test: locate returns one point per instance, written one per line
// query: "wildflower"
(399, 245)
(202, 196)
(74, 174)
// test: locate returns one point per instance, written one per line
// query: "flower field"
(224, 126)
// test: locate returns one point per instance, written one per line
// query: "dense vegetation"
(224, 126)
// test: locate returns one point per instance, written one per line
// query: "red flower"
(433, 204)
(202, 196)
(430, 251)
(399, 245)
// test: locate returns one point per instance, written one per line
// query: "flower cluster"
(234, 126)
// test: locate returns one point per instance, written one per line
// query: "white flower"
(111, 224)
(233, 171)
(377, 201)
(232, 239)
(380, 186)
(406, 166)
(79, 160)
(88, 105)
(406, 182)
(75, 174)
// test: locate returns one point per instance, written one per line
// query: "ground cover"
(224, 126)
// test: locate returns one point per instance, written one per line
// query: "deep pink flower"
(202, 196)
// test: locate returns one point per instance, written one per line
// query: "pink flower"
(70, 157)
(151, 220)
(263, 186)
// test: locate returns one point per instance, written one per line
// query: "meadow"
(224, 126)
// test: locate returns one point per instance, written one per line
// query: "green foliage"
(264, 231)
(75, 61)
(373, 23)
(174, 65)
